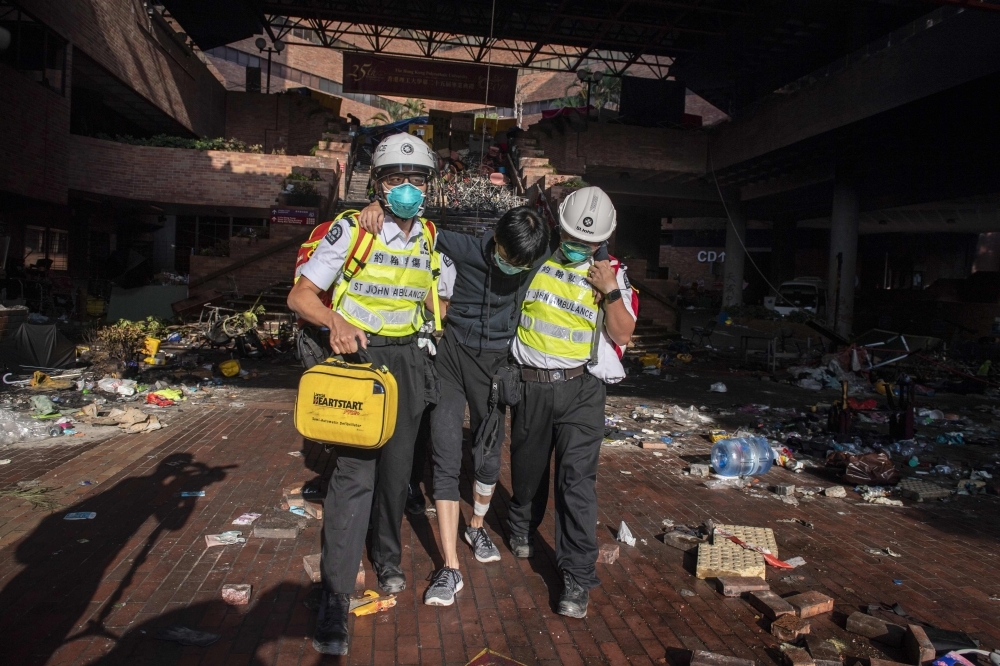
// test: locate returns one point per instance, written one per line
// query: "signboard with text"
(367, 73)
(293, 216)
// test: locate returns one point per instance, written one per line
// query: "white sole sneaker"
(437, 601)
(484, 560)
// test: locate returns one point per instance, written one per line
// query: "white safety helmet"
(401, 153)
(588, 215)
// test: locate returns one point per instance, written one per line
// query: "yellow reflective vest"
(384, 294)
(559, 315)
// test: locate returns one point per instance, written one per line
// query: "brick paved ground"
(144, 564)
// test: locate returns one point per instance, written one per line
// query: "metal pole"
(836, 307)
(269, 51)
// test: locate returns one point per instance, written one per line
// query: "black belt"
(386, 341)
(549, 376)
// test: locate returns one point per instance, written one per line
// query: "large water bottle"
(742, 456)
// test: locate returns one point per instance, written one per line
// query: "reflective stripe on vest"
(386, 296)
(559, 315)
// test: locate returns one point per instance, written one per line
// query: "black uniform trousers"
(567, 417)
(361, 473)
(466, 375)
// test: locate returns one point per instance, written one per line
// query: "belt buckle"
(556, 375)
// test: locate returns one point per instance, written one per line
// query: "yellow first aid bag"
(346, 403)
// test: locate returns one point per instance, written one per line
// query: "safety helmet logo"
(588, 222)
(406, 149)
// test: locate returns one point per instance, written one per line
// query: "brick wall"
(180, 176)
(683, 262)
(32, 138)
(620, 146)
(142, 53)
(259, 275)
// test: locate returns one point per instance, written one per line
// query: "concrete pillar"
(843, 255)
(732, 275)
(164, 243)
(782, 251)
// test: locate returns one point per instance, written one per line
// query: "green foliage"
(575, 183)
(124, 340)
(393, 111)
(154, 327)
(167, 141)
(608, 91)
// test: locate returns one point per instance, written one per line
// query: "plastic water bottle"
(742, 456)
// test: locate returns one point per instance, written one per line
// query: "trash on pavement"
(625, 535)
(43, 407)
(236, 594)
(743, 456)
(718, 387)
(224, 539)
(246, 519)
(371, 603)
(80, 515)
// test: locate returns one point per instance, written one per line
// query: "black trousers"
(466, 374)
(568, 418)
(362, 475)
(420, 449)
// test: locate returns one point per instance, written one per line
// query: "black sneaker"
(574, 599)
(331, 626)
(445, 583)
(522, 546)
(415, 502)
(391, 578)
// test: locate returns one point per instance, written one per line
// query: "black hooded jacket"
(486, 302)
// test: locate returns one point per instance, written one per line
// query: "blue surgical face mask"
(505, 266)
(405, 200)
(575, 252)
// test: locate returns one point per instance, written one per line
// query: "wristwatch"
(613, 295)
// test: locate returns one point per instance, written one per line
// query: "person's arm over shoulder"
(446, 280)
(327, 262)
(460, 247)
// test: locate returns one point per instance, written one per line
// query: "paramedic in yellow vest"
(380, 309)
(575, 311)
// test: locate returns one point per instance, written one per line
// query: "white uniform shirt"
(608, 367)
(325, 267)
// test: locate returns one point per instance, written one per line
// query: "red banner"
(367, 73)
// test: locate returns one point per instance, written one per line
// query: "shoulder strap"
(430, 233)
(357, 255)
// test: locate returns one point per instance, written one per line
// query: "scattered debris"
(371, 603)
(224, 539)
(246, 519)
(625, 535)
(789, 628)
(80, 515)
(236, 594)
(607, 553)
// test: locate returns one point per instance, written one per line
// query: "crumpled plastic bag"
(688, 417)
(868, 469)
(625, 535)
(42, 406)
(718, 387)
